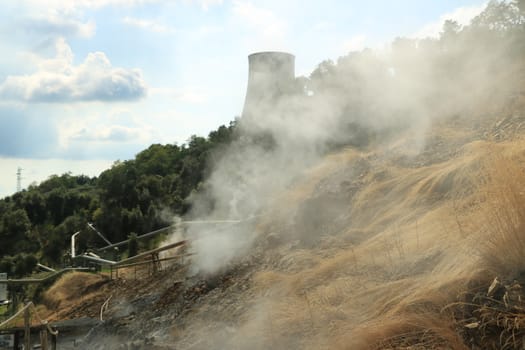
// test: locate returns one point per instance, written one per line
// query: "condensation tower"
(271, 75)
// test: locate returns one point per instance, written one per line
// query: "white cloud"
(70, 6)
(86, 129)
(355, 43)
(206, 4)
(155, 25)
(56, 24)
(462, 15)
(111, 133)
(270, 30)
(58, 80)
(102, 3)
(151, 25)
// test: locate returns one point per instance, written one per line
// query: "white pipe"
(97, 260)
(90, 225)
(46, 268)
(73, 244)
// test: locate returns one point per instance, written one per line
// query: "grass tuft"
(504, 249)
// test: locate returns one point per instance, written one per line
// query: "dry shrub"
(71, 286)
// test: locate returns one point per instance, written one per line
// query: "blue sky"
(84, 83)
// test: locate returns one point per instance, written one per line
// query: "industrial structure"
(271, 75)
(19, 179)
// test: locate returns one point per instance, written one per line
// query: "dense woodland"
(133, 196)
(145, 193)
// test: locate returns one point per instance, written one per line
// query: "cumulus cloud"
(73, 6)
(41, 134)
(59, 80)
(206, 4)
(111, 133)
(78, 5)
(56, 24)
(462, 15)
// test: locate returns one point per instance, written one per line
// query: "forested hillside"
(133, 196)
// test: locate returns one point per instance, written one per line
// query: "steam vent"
(271, 75)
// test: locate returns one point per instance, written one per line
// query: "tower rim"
(283, 53)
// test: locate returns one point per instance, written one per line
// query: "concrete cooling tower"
(271, 76)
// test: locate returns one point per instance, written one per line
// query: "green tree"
(24, 265)
(16, 227)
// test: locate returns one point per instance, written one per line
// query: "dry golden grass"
(423, 249)
(70, 288)
(504, 192)
(401, 274)
(411, 331)
(392, 277)
(500, 321)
